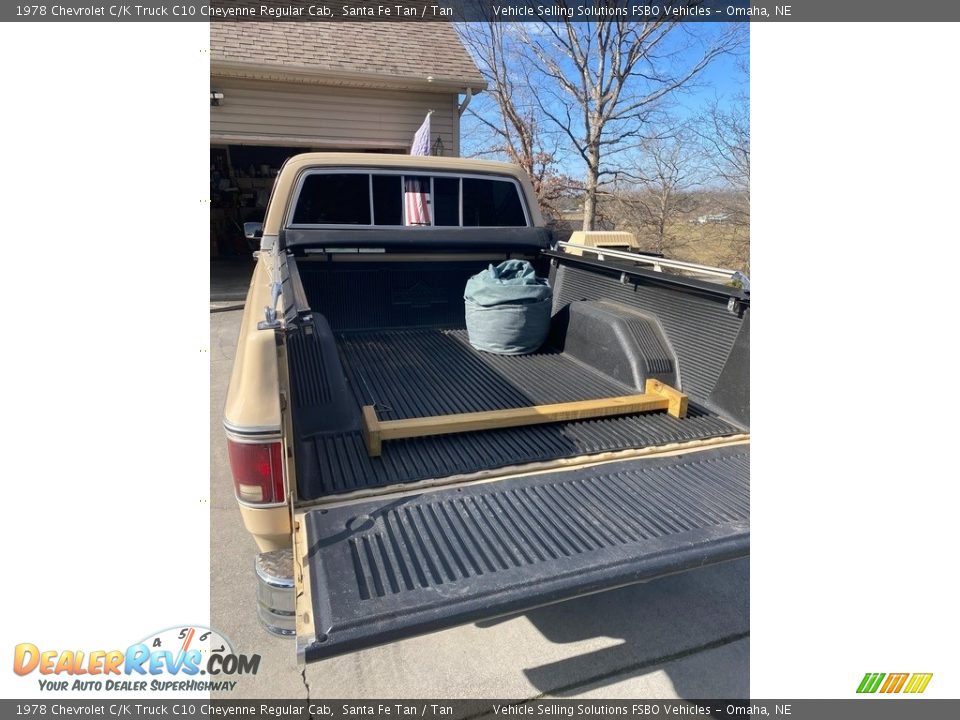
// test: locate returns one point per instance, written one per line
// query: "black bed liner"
(395, 567)
(434, 371)
(390, 334)
(412, 373)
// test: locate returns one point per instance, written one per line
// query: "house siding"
(326, 117)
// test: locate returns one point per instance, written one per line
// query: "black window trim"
(370, 171)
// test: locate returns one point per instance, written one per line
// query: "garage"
(278, 89)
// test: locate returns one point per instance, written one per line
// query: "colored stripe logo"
(894, 682)
(918, 682)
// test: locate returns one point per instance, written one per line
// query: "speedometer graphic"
(184, 641)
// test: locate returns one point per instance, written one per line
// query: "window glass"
(334, 199)
(446, 201)
(491, 203)
(387, 200)
(344, 199)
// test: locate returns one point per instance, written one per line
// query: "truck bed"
(430, 369)
(413, 373)
(444, 529)
(417, 372)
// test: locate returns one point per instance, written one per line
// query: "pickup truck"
(354, 329)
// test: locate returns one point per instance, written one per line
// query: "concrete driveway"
(685, 636)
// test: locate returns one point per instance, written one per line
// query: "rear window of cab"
(384, 199)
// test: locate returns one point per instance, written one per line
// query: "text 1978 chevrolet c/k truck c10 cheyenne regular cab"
(398, 481)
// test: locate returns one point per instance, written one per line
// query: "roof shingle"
(404, 50)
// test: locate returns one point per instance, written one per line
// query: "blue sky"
(726, 78)
(725, 81)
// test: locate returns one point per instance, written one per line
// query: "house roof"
(381, 54)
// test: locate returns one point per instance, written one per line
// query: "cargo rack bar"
(658, 263)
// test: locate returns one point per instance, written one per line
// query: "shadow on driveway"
(671, 624)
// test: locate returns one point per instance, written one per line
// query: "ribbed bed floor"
(420, 372)
(428, 371)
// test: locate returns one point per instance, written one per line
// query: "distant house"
(715, 218)
(277, 89)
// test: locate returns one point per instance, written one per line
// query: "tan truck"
(398, 481)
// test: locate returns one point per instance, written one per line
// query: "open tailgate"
(389, 568)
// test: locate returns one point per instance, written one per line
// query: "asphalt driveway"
(685, 636)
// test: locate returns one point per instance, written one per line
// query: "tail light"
(257, 471)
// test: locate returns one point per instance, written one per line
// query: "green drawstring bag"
(507, 308)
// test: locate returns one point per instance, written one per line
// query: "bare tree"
(605, 81)
(727, 136)
(507, 112)
(670, 169)
(725, 132)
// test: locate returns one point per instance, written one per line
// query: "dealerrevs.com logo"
(182, 659)
(910, 683)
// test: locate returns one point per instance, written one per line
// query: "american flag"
(416, 198)
(416, 191)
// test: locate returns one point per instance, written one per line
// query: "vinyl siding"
(258, 112)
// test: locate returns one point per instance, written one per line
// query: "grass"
(718, 244)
